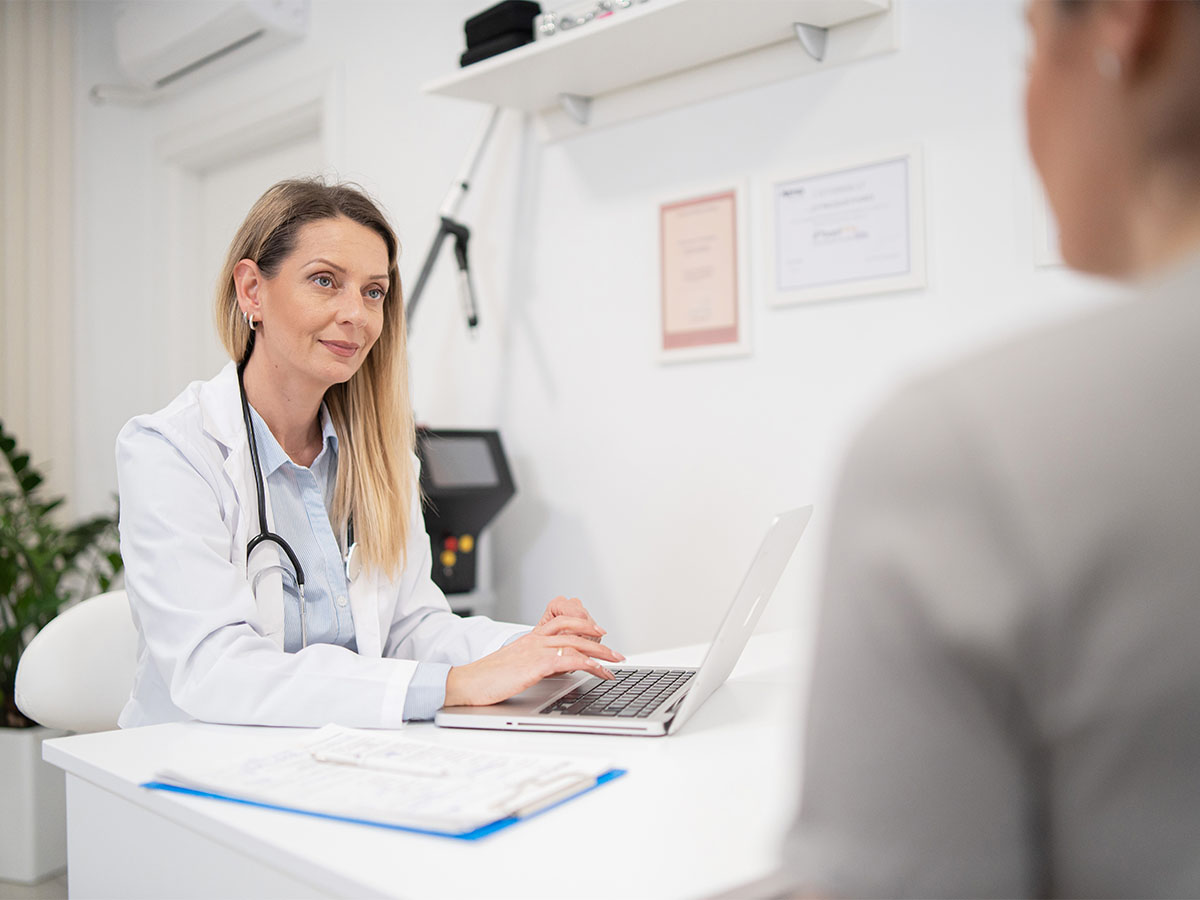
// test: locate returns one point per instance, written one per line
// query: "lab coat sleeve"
(425, 628)
(426, 692)
(196, 612)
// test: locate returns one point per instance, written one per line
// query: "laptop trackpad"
(545, 690)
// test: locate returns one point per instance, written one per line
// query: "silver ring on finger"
(560, 651)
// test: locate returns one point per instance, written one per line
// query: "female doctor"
(276, 559)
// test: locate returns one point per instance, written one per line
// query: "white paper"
(394, 780)
(845, 226)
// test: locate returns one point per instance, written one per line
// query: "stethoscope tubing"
(265, 535)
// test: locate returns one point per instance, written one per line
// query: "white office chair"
(77, 672)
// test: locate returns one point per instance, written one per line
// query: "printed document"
(389, 779)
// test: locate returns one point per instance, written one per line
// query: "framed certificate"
(846, 230)
(703, 274)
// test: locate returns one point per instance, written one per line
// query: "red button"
(451, 543)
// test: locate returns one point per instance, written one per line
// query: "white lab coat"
(211, 633)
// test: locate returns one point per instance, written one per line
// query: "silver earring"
(1108, 64)
(249, 321)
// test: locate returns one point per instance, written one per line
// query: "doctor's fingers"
(585, 628)
(568, 659)
(567, 642)
(567, 606)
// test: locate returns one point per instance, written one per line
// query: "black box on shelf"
(505, 18)
(495, 46)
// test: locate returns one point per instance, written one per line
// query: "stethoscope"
(265, 535)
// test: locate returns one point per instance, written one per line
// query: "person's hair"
(372, 411)
(1172, 125)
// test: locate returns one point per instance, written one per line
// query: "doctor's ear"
(247, 282)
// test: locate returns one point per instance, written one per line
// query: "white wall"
(643, 488)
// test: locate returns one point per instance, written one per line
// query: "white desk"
(699, 812)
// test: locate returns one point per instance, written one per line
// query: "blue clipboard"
(474, 834)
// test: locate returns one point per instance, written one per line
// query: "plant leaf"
(43, 565)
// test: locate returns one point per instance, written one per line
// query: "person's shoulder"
(1126, 346)
(179, 417)
(1049, 392)
(1092, 364)
(181, 423)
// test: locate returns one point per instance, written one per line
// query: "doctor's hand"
(550, 649)
(569, 614)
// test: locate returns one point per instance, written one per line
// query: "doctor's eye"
(376, 293)
(323, 280)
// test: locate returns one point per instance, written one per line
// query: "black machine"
(465, 481)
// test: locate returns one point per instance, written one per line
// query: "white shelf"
(658, 40)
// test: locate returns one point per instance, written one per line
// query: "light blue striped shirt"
(301, 506)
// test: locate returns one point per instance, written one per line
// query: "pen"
(380, 764)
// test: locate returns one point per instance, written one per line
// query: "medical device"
(265, 535)
(465, 482)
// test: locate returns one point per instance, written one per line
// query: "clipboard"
(389, 781)
(471, 835)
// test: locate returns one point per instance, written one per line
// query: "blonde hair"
(372, 411)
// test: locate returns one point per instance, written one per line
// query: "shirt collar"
(271, 456)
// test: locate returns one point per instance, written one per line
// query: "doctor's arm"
(197, 614)
(486, 661)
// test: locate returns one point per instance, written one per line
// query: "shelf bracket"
(575, 106)
(812, 39)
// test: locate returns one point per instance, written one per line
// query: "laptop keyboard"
(636, 693)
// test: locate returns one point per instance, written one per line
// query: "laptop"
(645, 700)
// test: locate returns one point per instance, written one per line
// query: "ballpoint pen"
(378, 763)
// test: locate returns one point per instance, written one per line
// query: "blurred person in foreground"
(1006, 693)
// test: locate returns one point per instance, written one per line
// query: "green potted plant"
(44, 566)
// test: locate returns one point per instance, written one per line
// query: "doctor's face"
(323, 310)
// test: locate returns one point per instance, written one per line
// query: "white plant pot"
(33, 809)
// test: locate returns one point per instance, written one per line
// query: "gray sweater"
(1006, 694)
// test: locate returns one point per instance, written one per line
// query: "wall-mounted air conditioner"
(163, 46)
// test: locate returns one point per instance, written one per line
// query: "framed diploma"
(703, 274)
(846, 230)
